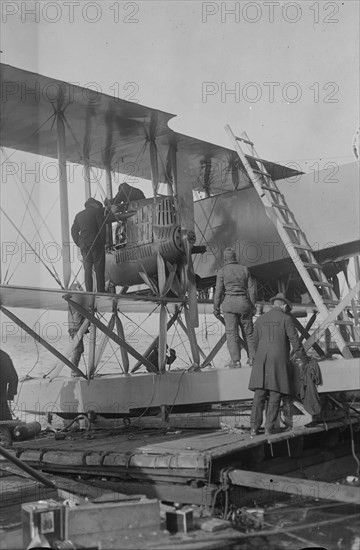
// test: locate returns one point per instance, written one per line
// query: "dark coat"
(274, 331)
(89, 228)
(233, 280)
(126, 194)
(8, 384)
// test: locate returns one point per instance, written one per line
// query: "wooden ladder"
(344, 332)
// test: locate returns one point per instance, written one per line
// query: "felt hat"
(281, 296)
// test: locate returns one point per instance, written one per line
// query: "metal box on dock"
(44, 515)
(180, 521)
(104, 522)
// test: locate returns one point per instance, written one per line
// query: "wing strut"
(64, 207)
(41, 341)
(116, 338)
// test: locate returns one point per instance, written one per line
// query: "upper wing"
(110, 132)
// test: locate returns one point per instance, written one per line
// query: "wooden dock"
(185, 465)
(199, 467)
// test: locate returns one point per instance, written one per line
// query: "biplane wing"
(53, 299)
(111, 133)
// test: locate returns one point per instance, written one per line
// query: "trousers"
(240, 317)
(272, 411)
(94, 256)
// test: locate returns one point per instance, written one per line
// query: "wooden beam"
(171, 492)
(56, 370)
(305, 334)
(156, 340)
(41, 341)
(154, 165)
(192, 336)
(116, 338)
(100, 348)
(214, 351)
(332, 316)
(92, 351)
(121, 334)
(300, 487)
(64, 206)
(183, 326)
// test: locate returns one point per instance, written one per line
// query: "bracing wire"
(27, 209)
(32, 248)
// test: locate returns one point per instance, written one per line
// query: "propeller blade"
(147, 280)
(170, 279)
(161, 274)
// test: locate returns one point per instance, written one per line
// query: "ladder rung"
(282, 206)
(331, 302)
(302, 247)
(257, 171)
(354, 344)
(244, 140)
(310, 265)
(273, 190)
(350, 323)
(321, 283)
(293, 227)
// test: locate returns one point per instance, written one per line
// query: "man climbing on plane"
(89, 234)
(126, 194)
(117, 208)
(236, 292)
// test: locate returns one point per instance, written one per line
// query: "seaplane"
(205, 197)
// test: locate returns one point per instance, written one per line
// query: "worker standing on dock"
(8, 384)
(237, 289)
(272, 376)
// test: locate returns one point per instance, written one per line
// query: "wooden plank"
(305, 488)
(170, 492)
(123, 351)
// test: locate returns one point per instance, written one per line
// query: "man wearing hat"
(89, 234)
(236, 287)
(272, 376)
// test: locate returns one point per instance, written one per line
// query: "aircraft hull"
(326, 209)
(117, 395)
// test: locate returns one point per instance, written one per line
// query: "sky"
(285, 72)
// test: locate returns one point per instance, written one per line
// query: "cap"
(281, 296)
(229, 255)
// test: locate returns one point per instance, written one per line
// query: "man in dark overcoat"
(89, 234)
(272, 373)
(8, 384)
